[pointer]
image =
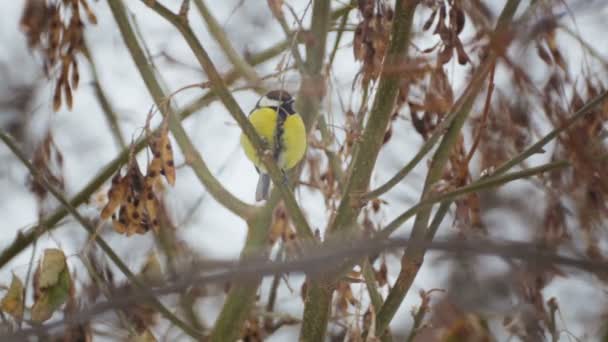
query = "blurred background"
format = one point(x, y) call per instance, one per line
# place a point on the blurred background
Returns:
point(85, 138)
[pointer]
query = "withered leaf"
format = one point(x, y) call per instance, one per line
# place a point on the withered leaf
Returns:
point(52, 284)
point(116, 195)
point(12, 303)
point(152, 271)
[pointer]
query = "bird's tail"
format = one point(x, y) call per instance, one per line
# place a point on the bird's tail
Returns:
point(261, 191)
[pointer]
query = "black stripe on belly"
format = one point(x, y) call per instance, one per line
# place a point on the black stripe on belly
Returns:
point(278, 133)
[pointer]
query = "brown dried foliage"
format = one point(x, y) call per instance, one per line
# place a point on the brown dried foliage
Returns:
point(449, 26)
point(372, 36)
point(137, 196)
point(55, 29)
point(574, 198)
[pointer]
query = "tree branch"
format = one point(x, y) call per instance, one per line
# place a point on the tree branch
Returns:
point(92, 231)
point(192, 156)
point(219, 87)
point(25, 239)
point(220, 36)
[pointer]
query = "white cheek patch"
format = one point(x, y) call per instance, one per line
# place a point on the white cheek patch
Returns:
point(268, 102)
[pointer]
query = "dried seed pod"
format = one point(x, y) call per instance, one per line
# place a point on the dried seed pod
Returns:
point(161, 148)
point(90, 15)
point(463, 58)
point(429, 22)
point(120, 224)
point(136, 178)
point(116, 196)
point(57, 96)
point(151, 207)
point(75, 74)
point(68, 95)
point(153, 174)
point(55, 29)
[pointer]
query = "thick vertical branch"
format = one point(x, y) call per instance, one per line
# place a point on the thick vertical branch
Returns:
point(414, 254)
point(368, 147)
point(241, 296)
point(319, 297)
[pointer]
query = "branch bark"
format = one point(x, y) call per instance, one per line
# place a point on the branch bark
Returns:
point(414, 255)
point(86, 224)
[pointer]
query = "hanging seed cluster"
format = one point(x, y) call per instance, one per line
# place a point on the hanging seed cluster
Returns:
point(449, 26)
point(372, 36)
point(281, 228)
point(55, 29)
point(134, 195)
point(48, 160)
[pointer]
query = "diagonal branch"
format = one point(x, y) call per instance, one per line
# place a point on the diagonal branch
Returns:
point(26, 238)
point(104, 246)
point(414, 254)
point(192, 156)
point(319, 296)
point(219, 87)
point(480, 185)
point(104, 102)
point(368, 147)
point(218, 33)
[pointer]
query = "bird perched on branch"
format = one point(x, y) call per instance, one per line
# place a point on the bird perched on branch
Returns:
point(278, 124)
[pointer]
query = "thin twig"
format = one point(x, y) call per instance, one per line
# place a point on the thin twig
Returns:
point(193, 157)
point(319, 259)
point(219, 87)
point(413, 256)
point(100, 241)
point(25, 238)
point(104, 102)
point(484, 116)
point(240, 64)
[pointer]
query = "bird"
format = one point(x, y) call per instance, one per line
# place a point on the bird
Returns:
point(282, 129)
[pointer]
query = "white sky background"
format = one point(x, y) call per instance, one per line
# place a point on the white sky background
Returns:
point(87, 144)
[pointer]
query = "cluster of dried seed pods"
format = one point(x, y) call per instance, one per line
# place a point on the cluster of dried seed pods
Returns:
point(135, 194)
point(56, 30)
point(372, 36)
point(448, 30)
point(48, 160)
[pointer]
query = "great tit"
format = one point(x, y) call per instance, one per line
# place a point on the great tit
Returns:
point(278, 124)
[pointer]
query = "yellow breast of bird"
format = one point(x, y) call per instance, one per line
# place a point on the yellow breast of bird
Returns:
point(293, 142)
